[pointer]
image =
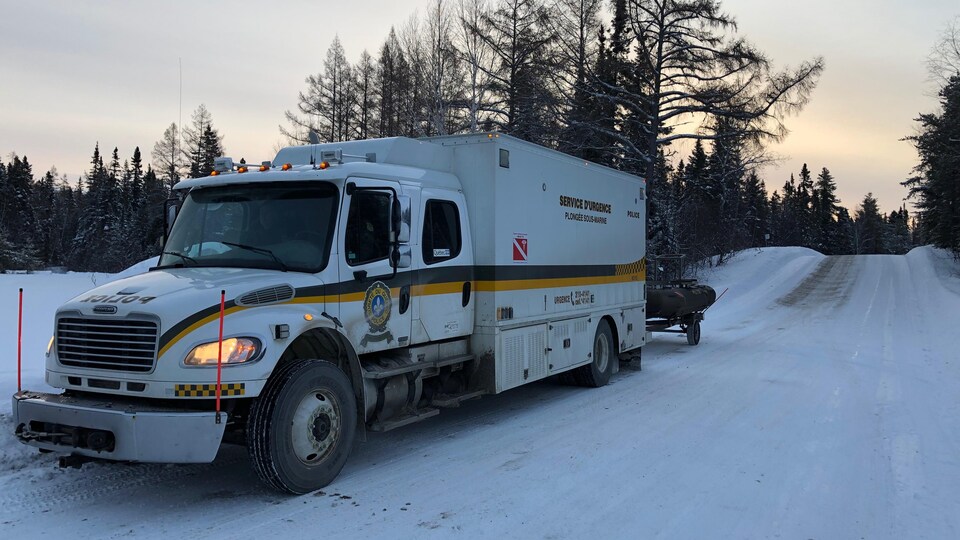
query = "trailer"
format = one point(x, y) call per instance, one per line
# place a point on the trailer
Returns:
point(674, 304)
point(345, 288)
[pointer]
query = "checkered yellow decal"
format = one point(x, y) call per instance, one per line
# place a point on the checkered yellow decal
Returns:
point(638, 267)
point(208, 390)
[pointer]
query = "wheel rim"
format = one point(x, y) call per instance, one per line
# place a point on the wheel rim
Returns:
point(316, 426)
point(601, 352)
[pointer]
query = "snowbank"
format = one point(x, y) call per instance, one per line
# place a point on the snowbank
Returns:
point(936, 262)
point(757, 276)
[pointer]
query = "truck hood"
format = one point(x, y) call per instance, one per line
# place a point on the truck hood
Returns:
point(176, 293)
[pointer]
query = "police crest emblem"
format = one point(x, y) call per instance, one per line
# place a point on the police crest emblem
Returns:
point(377, 305)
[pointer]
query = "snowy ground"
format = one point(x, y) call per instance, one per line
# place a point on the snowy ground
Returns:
point(823, 402)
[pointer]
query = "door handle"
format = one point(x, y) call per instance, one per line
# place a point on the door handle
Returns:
point(466, 294)
point(404, 298)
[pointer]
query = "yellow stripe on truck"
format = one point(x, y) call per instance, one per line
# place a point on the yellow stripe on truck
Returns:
point(625, 273)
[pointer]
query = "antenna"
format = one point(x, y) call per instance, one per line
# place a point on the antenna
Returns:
point(180, 114)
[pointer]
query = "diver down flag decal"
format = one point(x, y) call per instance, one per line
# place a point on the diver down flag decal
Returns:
point(519, 248)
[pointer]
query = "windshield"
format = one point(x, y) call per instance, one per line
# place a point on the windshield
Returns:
point(276, 226)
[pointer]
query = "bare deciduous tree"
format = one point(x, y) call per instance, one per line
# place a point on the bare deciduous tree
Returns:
point(944, 60)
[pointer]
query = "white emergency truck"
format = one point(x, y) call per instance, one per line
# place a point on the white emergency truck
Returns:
point(366, 285)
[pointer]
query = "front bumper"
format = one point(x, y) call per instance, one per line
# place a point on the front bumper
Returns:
point(116, 430)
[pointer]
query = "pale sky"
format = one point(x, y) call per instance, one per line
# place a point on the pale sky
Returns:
point(76, 72)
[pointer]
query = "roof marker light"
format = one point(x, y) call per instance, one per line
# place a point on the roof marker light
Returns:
point(242, 170)
point(264, 168)
point(286, 166)
point(215, 173)
point(324, 165)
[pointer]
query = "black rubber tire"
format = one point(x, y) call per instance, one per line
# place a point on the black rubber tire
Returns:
point(598, 372)
point(693, 333)
point(271, 423)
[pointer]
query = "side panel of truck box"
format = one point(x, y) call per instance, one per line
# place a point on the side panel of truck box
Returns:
point(559, 243)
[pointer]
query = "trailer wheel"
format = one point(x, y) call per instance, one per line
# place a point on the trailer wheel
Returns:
point(301, 428)
point(597, 373)
point(693, 333)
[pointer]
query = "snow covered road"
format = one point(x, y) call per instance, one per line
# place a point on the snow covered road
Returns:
point(822, 402)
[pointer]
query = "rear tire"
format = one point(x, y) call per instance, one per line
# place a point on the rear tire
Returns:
point(302, 427)
point(598, 372)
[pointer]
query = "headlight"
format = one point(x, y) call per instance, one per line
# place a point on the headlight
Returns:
point(235, 351)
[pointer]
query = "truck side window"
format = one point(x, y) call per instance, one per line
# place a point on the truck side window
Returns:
point(368, 227)
point(441, 231)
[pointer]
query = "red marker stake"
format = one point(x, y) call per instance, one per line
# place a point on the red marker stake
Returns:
point(19, 340)
point(223, 296)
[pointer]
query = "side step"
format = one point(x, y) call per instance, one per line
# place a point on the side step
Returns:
point(449, 401)
point(406, 419)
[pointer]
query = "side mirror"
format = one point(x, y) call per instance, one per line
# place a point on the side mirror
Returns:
point(170, 209)
point(400, 215)
point(401, 257)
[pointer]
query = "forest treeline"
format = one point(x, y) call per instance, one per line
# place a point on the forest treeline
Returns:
point(622, 83)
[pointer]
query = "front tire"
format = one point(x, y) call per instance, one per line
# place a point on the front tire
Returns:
point(302, 427)
point(598, 372)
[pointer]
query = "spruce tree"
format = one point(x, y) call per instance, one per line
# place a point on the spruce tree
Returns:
point(756, 211)
point(804, 209)
point(870, 227)
point(935, 186)
point(202, 142)
point(824, 213)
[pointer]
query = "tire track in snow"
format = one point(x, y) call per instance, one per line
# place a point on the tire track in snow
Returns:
point(57, 490)
point(829, 283)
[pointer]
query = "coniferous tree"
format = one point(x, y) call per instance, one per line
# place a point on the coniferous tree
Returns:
point(203, 143)
point(935, 186)
point(804, 208)
point(869, 227)
point(393, 83)
point(44, 202)
point(756, 211)
point(576, 23)
point(521, 40)
point(727, 172)
point(17, 218)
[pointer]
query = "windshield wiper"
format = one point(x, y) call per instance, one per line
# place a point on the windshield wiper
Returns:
point(262, 251)
point(185, 258)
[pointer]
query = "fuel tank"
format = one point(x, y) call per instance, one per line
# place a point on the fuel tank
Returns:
point(671, 302)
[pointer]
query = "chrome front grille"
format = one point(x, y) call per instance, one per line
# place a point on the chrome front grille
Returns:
point(115, 344)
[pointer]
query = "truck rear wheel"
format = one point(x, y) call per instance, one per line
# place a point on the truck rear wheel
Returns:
point(301, 428)
point(598, 372)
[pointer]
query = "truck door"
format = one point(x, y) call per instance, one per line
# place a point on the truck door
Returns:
point(445, 276)
point(374, 297)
